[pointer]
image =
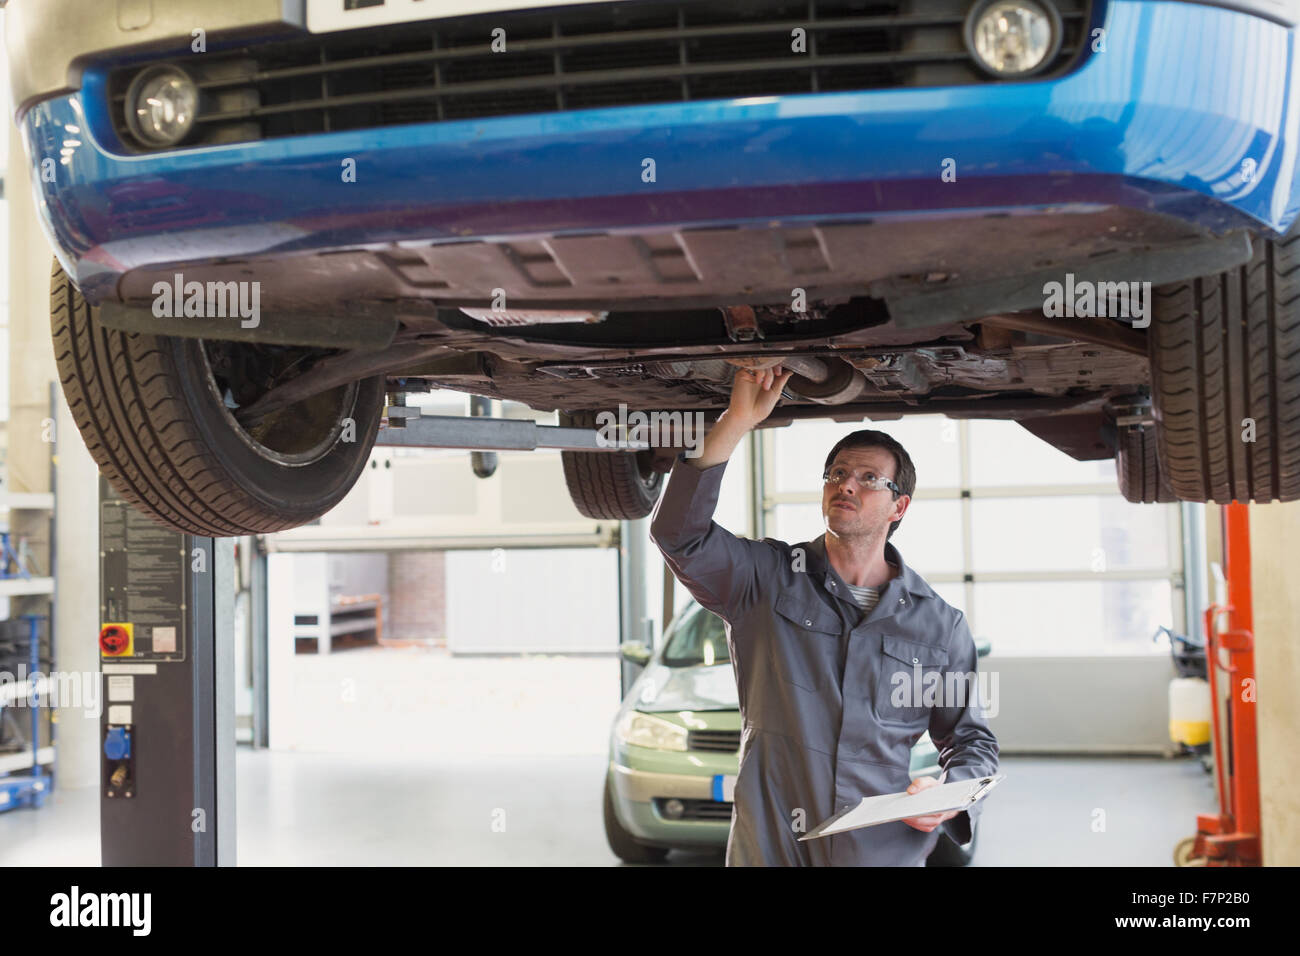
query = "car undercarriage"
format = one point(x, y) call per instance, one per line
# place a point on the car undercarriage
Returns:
point(661, 321)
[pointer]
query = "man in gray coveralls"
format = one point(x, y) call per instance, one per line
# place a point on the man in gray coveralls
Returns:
point(830, 640)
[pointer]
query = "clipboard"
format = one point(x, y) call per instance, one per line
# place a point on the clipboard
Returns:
point(888, 807)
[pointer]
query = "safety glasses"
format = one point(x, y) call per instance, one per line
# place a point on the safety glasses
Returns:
point(865, 479)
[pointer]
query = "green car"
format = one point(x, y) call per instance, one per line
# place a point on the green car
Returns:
point(674, 749)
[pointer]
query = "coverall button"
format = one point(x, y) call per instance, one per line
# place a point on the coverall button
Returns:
point(916, 660)
point(807, 623)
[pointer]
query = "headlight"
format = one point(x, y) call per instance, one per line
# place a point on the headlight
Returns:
point(1013, 38)
point(646, 730)
point(160, 106)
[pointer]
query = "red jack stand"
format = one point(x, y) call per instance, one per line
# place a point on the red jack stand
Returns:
point(1231, 837)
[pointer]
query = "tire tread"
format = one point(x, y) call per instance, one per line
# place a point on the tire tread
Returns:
point(141, 433)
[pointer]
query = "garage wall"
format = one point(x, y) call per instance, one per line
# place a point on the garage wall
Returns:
point(520, 601)
point(351, 575)
point(1081, 704)
point(417, 608)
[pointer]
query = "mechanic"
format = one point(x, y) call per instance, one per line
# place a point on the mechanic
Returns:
point(823, 636)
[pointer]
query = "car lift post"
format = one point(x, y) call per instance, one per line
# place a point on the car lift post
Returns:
point(1232, 836)
point(167, 731)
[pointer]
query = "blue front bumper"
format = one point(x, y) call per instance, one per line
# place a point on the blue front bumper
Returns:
point(1189, 111)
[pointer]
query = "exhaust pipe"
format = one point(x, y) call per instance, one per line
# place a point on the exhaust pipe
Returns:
point(835, 382)
point(824, 381)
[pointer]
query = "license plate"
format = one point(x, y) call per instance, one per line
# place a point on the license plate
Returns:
point(724, 787)
point(325, 16)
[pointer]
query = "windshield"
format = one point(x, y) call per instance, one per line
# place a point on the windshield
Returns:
point(698, 637)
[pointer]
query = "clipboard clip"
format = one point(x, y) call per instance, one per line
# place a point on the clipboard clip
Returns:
point(985, 786)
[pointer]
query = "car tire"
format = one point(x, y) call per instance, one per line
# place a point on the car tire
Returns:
point(948, 853)
point(625, 846)
point(1225, 353)
point(605, 485)
point(1137, 464)
point(154, 420)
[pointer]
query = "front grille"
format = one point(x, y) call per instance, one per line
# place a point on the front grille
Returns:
point(717, 741)
point(599, 55)
point(697, 810)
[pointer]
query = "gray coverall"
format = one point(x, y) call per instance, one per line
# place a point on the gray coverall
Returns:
point(815, 680)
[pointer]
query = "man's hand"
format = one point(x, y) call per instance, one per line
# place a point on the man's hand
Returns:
point(755, 392)
point(928, 822)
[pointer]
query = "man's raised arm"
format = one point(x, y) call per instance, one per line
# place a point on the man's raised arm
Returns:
point(718, 568)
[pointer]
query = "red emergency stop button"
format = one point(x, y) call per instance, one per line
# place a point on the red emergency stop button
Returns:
point(114, 640)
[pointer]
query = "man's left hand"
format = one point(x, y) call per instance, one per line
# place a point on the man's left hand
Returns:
point(927, 823)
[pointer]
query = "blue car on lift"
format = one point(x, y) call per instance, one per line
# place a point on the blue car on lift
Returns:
point(273, 218)
point(674, 749)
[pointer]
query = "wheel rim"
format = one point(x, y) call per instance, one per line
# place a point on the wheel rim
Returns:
point(294, 437)
point(645, 472)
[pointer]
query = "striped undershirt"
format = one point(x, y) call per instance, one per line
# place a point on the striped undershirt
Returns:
point(867, 597)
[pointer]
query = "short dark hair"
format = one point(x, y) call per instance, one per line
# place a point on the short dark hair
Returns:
point(904, 470)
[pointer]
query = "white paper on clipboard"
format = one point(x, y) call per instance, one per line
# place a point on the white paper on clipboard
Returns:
point(888, 807)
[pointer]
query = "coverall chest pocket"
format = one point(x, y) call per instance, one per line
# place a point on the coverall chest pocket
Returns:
point(910, 680)
point(805, 647)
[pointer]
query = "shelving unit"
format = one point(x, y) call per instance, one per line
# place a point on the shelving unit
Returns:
point(26, 501)
point(29, 789)
point(27, 774)
point(10, 763)
point(18, 587)
point(345, 622)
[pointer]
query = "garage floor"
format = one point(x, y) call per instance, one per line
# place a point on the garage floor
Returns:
point(329, 810)
point(407, 757)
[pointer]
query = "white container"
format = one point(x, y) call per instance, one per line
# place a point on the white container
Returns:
point(1189, 710)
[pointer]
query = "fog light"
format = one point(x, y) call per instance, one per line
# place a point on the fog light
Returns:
point(1013, 38)
point(160, 106)
point(674, 809)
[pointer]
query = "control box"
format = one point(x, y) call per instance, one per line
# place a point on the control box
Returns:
point(167, 669)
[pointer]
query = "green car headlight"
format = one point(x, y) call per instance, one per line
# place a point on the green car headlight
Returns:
point(647, 730)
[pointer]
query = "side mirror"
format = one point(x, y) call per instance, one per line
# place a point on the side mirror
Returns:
point(983, 647)
point(635, 652)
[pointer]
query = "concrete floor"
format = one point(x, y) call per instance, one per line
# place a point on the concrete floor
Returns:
point(308, 809)
point(404, 756)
